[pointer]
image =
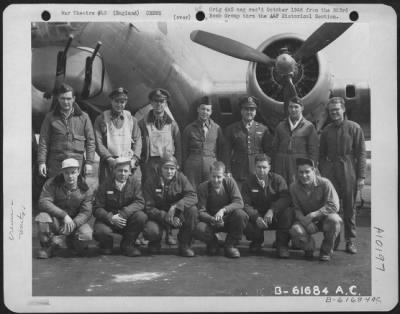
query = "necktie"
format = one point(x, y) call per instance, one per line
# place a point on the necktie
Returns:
point(205, 129)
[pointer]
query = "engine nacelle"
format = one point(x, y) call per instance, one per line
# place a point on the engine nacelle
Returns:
point(312, 79)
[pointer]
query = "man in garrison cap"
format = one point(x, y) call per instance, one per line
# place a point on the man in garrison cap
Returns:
point(170, 204)
point(160, 133)
point(117, 135)
point(65, 206)
point(66, 132)
point(316, 206)
point(295, 137)
point(245, 139)
point(344, 163)
point(119, 210)
point(203, 144)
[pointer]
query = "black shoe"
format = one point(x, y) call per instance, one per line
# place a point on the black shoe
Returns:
point(105, 251)
point(131, 251)
point(169, 238)
point(154, 248)
point(231, 252)
point(45, 253)
point(324, 257)
point(351, 248)
point(76, 246)
point(283, 252)
point(213, 247)
point(255, 247)
point(186, 251)
point(309, 254)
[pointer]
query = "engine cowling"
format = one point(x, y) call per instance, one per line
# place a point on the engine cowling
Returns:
point(312, 79)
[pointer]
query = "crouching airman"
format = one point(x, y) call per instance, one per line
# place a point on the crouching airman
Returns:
point(65, 207)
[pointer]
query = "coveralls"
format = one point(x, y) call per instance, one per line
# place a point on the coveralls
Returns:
point(343, 161)
point(289, 145)
point(201, 149)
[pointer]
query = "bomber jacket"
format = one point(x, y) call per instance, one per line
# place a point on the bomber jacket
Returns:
point(159, 196)
point(57, 201)
point(257, 200)
point(111, 201)
point(65, 139)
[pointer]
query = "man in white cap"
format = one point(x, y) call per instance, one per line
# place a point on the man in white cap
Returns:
point(65, 207)
point(170, 203)
point(117, 135)
point(119, 210)
point(66, 132)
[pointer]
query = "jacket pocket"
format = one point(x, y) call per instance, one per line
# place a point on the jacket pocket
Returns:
point(79, 143)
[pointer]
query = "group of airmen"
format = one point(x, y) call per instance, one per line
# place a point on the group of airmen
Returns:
point(243, 181)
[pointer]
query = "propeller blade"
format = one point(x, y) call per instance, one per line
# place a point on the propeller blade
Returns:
point(322, 37)
point(289, 90)
point(229, 47)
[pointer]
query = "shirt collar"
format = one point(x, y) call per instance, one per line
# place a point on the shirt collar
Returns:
point(119, 185)
point(207, 123)
point(245, 124)
point(296, 124)
point(115, 115)
point(66, 116)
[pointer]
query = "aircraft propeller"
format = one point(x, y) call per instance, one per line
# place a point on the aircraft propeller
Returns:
point(286, 65)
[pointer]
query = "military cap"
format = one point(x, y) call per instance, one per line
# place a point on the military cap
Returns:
point(168, 159)
point(69, 163)
point(336, 100)
point(304, 161)
point(119, 92)
point(296, 100)
point(249, 102)
point(159, 94)
point(122, 161)
point(64, 88)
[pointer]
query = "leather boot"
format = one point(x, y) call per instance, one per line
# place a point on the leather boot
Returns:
point(46, 250)
point(185, 250)
point(169, 238)
point(230, 250)
point(213, 246)
point(154, 248)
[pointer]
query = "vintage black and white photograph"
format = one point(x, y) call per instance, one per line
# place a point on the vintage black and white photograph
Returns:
point(204, 151)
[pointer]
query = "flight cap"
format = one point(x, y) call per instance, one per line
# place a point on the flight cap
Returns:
point(69, 163)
